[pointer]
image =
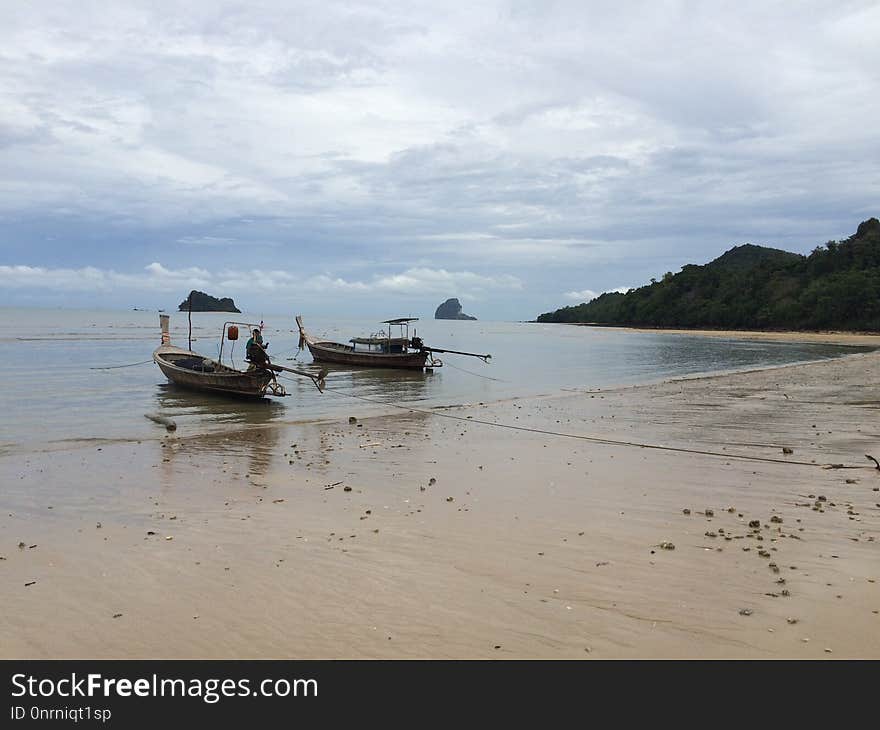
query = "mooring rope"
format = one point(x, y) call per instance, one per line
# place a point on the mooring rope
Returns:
point(469, 372)
point(130, 365)
point(594, 439)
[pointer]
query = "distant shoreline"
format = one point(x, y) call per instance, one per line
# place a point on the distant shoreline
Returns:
point(833, 337)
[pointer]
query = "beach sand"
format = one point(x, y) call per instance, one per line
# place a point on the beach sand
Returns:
point(830, 337)
point(459, 539)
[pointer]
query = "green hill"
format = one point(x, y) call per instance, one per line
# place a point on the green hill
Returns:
point(753, 287)
point(749, 255)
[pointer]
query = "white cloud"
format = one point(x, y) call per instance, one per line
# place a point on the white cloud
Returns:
point(550, 138)
point(420, 281)
point(587, 295)
point(160, 272)
point(581, 296)
point(156, 277)
point(207, 241)
point(438, 281)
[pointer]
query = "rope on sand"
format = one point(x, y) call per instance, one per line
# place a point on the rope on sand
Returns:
point(597, 439)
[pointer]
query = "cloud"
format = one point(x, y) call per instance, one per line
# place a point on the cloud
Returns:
point(159, 272)
point(587, 295)
point(422, 282)
point(438, 281)
point(155, 277)
point(215, 241)
point(158, 278)
point(511, 138)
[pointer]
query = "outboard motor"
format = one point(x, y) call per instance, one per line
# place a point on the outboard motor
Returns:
point(416, 343)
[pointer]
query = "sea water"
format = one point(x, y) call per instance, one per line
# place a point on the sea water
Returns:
point(70, 377)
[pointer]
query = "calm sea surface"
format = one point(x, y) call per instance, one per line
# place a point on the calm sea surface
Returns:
point(52, 396)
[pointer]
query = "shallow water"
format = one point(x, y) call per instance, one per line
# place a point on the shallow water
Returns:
point(54, 398)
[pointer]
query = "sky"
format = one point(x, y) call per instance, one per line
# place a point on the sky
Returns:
point(373, 159)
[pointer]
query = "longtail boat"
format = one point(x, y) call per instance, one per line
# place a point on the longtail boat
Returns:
point(380, 350)
point(189, 369)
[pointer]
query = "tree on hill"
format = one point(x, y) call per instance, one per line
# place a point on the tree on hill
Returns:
point(754, 287)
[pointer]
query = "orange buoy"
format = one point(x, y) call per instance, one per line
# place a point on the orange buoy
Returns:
point(232, 333)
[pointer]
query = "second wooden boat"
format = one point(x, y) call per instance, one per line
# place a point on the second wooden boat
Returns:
point(384, 349)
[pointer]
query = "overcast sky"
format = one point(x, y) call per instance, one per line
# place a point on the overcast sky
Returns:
point(376, 158)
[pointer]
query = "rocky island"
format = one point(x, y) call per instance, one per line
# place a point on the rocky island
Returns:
point(202, 302)
point(451, 309)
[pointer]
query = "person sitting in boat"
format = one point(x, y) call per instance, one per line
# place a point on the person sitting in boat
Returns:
point(256, 350)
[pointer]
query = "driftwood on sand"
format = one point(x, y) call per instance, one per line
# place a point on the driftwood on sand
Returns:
point(169, 424)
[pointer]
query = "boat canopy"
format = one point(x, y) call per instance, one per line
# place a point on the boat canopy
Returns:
point(400, 320)
point(378, 340)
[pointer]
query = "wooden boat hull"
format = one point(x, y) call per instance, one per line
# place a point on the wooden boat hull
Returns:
point(223, 380)
point(335, 352)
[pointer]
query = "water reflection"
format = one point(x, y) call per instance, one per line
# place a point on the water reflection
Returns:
point(246, 451)
point(176, 402)
point(386, 384)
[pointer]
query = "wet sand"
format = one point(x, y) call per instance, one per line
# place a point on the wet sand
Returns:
point(459, 539)
point(829, 337)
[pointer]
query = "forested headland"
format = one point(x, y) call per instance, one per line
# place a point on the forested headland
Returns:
point(837, 286)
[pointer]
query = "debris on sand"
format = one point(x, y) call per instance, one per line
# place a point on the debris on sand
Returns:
point(432, 481)
point(666, 545)
point(169, 424)
point(352, 419)
point(787, 450)
point(686, 511)
point(745, 612)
